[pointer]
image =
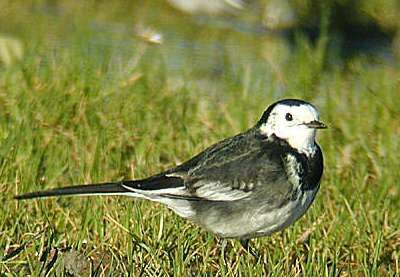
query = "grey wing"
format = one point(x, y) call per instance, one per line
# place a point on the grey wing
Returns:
point(254, 175)
point(242, 168)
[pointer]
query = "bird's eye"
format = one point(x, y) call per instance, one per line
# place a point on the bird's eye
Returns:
point(288, 117)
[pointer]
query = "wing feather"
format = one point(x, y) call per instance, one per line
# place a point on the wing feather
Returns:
point(231, 170)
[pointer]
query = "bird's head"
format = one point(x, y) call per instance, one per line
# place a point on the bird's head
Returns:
point(294, 121)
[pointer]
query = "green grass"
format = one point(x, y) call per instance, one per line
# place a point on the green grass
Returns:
point(86, 106)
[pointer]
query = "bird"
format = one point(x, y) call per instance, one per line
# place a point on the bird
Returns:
point(246, 186)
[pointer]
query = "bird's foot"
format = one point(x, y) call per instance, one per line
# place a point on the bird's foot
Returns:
point(246, 246)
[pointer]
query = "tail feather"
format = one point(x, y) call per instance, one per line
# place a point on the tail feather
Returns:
point(166, 190)
point(146, 186)
point(105, 188)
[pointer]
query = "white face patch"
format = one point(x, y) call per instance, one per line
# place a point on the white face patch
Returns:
point(287, 122)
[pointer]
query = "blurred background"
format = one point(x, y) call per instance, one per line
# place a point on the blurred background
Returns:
point(201, 41)
point(94, 91)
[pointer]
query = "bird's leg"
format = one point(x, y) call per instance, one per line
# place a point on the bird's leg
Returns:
point(223, 247)
point(246, 246)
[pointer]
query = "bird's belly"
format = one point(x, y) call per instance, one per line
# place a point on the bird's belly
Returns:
point(249, 221)
point(286, 215)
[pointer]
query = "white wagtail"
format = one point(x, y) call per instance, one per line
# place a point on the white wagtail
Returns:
point(250, 185)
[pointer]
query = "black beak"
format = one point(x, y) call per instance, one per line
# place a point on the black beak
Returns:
point(316, 125)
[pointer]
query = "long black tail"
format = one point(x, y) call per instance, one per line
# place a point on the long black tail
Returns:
point(157, 182)
point(105, 188)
